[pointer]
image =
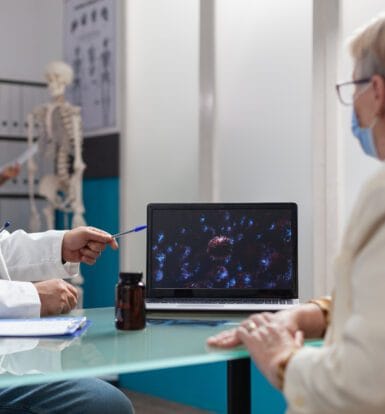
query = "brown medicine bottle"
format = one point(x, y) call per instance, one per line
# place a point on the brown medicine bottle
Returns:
point(129, 302)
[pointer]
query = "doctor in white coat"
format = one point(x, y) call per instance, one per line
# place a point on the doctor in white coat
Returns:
point(32, 269)
point(46, 258)
point(347, 374)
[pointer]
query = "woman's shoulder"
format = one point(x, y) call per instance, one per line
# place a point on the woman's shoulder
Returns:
point(369, 211)
point(377, 180)
point(373, 191)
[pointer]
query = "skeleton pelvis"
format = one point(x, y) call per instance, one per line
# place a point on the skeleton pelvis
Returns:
point(50, 187)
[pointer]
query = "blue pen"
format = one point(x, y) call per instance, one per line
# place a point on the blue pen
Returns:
point(135, 229)
point(5, 225)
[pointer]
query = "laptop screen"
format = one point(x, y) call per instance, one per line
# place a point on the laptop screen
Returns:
point(224, 250)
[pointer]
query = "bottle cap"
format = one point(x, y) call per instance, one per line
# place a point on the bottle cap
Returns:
point(130, 277)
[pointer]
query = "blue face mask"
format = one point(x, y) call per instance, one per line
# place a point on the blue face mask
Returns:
point(364, 135)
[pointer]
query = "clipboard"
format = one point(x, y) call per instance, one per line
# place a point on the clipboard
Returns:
point(44, 327)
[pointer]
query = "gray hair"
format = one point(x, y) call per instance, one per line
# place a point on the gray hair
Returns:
point(367, 47)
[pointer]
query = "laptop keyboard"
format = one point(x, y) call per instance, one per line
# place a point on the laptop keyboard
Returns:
point(224, 301)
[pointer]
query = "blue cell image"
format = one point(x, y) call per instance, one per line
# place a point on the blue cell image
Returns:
point(186, 275)
point(257, 250)
point(287, 276)
point(247, 279)
point(160, 257)
point(187, 252)
point(232, 282)
point(287, 235)
point(159, 276)
point(222, 274)
point(265, 263)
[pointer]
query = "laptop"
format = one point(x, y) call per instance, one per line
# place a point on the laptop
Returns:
point(221, 256)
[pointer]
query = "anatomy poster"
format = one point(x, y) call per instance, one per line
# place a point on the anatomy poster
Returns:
point(90, 48)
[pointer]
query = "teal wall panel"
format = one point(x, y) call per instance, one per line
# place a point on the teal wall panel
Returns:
point(101, 199)
point(201, 386)
point(204, 387)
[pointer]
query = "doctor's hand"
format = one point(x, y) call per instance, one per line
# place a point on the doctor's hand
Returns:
point(10, 172)
point(85, 244)
point(56, 297)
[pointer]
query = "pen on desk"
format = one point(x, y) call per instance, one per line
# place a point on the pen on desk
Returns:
point(135, 229)
point(5, 225)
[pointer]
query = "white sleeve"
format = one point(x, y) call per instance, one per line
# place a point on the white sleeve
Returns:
point(347, 377)
point(36, 256)
point(18, 300)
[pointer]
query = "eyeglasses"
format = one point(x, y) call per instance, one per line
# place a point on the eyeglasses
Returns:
point(346, 90)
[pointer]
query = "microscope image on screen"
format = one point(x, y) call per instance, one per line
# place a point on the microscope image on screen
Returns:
point(223, 249)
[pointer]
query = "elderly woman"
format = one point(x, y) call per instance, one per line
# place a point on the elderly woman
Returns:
point(347, 374)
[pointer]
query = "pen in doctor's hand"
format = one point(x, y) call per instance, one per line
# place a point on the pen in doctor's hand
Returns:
point(135, 229)
point(5, 225)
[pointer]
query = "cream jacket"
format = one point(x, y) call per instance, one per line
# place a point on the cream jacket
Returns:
point(347, 375)
point(25, 258)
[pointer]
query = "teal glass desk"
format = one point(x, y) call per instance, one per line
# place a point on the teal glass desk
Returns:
point(102, 350)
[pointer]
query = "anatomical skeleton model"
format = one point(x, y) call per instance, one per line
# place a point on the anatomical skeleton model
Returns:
point(60, 140)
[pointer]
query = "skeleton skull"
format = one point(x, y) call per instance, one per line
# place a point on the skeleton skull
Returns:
point(58, 75)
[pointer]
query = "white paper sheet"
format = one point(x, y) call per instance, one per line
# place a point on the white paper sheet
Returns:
point(22, 158)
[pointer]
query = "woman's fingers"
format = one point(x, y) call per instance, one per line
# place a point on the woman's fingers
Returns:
point(225, 339)
point(299, 338)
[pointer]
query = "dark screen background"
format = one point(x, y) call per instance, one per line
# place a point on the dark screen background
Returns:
point(222, 249)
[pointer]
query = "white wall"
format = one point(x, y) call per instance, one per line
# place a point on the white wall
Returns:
point(263, 111)
point(30, 37)
point(263, 121)
point(160, 132)
point(357, 166)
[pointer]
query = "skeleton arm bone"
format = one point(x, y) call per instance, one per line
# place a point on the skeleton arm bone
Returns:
point(35, 222)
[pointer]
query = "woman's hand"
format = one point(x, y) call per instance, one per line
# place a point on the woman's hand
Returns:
point(287, 319)
point(85, 244)
point(269, 345)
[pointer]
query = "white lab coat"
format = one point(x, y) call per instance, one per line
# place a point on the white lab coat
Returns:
point(347, 375)
point(25, 258)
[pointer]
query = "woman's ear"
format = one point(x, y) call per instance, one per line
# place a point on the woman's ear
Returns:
point(378, 83)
